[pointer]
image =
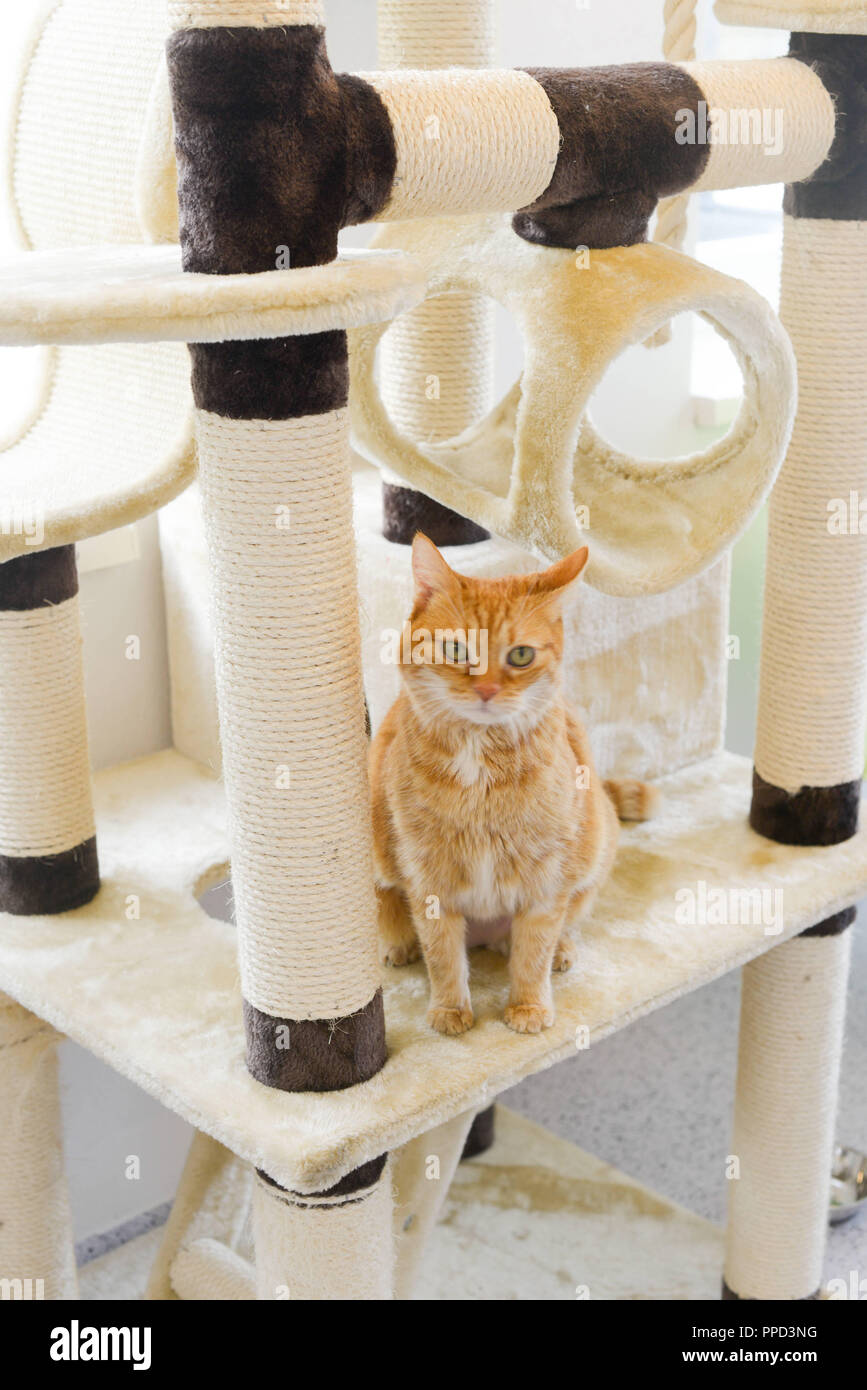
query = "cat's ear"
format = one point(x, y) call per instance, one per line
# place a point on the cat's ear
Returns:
point(431, 573)
point(554, 581)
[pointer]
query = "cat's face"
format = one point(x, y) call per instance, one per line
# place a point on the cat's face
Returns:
point(485, 652)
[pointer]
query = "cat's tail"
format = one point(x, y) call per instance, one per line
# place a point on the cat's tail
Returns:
point(633, 800)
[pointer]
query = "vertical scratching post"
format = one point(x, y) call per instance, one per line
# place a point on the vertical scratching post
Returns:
point(792, 1011)
point(48, 860)
point(812, 708)
point(255, 176)
point(48, 864)
point(37, 1255)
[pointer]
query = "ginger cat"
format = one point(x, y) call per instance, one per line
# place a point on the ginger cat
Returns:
point(488, 816)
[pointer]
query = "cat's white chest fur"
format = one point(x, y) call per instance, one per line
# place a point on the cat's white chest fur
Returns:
point(468, 766)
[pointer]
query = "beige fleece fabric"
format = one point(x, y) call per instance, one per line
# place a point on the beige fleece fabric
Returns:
point(141, 294)
point(813, 17)
point(212, 1202)
point(530, 467)
point(144, 979)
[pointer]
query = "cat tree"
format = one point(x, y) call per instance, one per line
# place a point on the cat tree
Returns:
point(324, 1132)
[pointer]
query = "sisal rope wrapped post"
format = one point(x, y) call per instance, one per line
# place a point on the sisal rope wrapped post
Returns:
point(275, 478)
point(812, 708)
point(334, 1246)
point(791, 1033)
point(48, 860)
point(437, 362)
point(48, 864)
point(678, 46)
point(37, 1255)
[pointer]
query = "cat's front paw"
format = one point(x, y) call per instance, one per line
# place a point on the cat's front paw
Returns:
point(400, 953)
point(450, 1021)
point(528, 1018)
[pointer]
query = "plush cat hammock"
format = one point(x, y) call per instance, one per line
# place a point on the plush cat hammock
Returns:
point(524, 469)
point(338, 1122)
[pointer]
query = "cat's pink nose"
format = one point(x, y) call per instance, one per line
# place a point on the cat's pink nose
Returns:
point(487, 692)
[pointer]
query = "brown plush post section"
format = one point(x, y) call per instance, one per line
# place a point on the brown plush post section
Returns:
point(618, 153)
point(32, 886)
point(301, 153)
point(39, 580)
point(52, 883)
point(833, 926)
point(326, 1054)
point(810, 816)
point(356, 1181)
point(274, 151)
point(838, 189)
point(481, 1135)
point(405, 512)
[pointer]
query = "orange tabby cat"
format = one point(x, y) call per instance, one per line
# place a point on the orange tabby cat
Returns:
point(487, 812)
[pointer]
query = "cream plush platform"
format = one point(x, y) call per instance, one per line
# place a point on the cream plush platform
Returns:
point(157, 996)
point(106, 294)
point(83, 468)
point(812, 16)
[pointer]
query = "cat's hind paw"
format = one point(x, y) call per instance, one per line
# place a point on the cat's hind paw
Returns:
point(451, 1021)
point(564, 954)
point(399, 952)
point(528, 1018)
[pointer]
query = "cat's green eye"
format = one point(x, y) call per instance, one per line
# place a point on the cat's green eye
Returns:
point(521, 657)
point(456, 653)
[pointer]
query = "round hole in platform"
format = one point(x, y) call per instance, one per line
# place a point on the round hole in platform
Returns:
point(215, 896)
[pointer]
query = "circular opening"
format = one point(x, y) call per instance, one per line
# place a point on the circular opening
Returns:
point(659, 403)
